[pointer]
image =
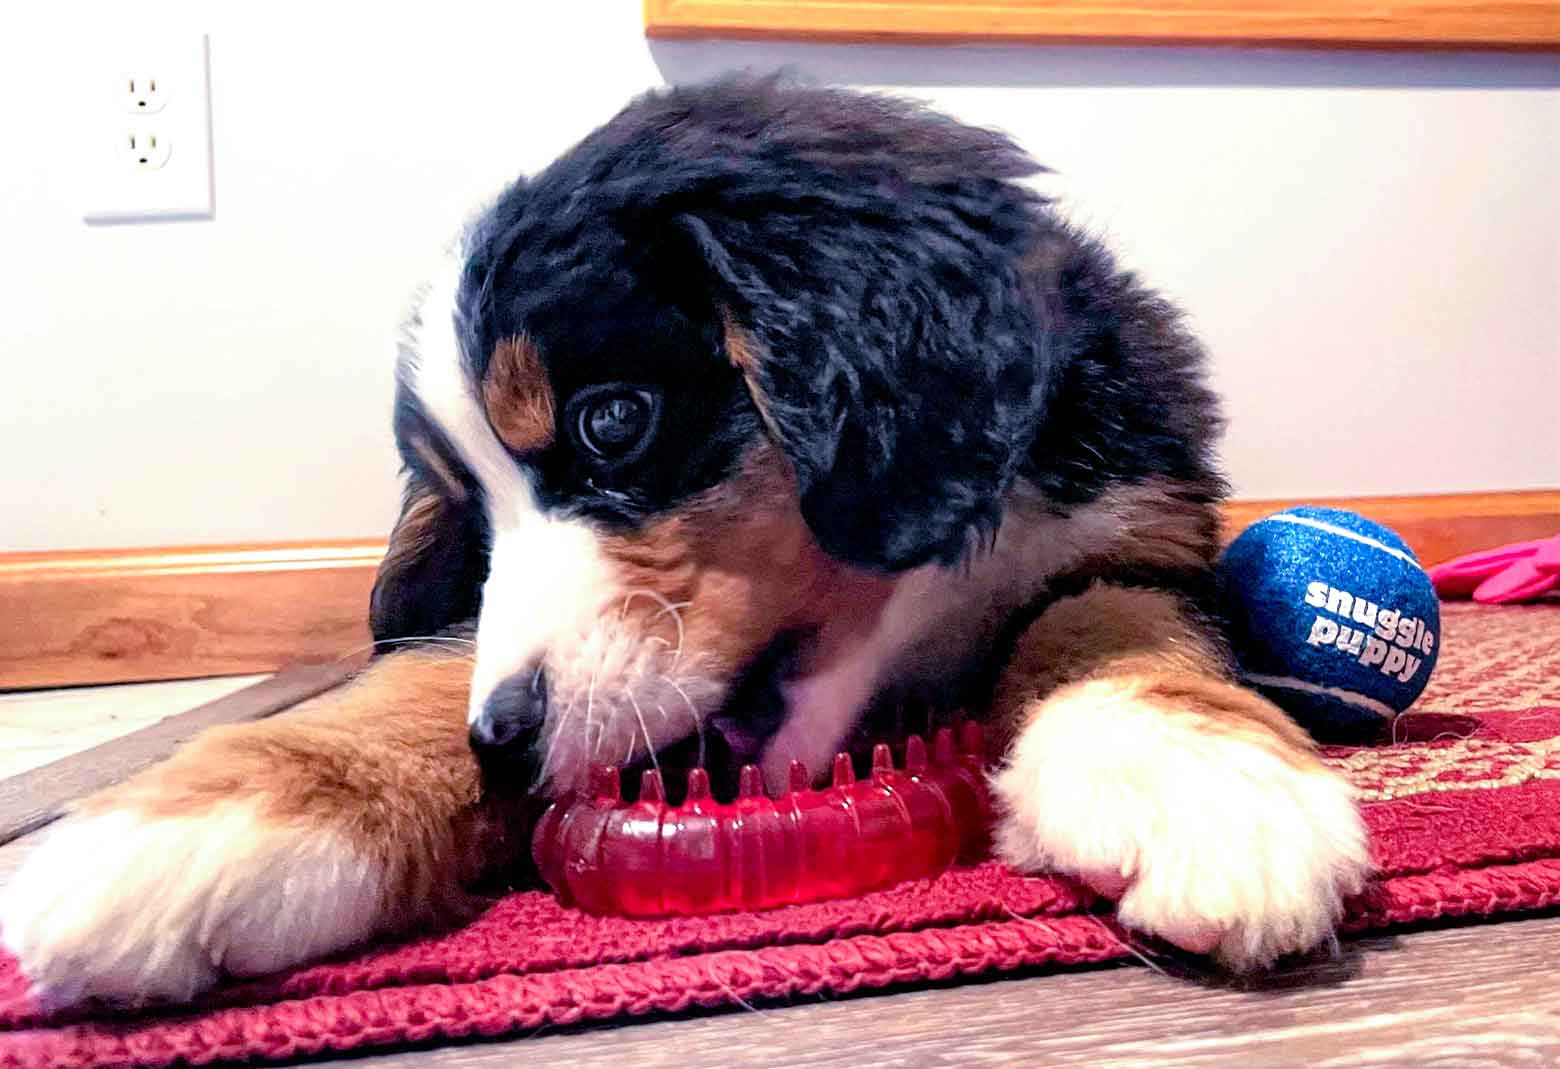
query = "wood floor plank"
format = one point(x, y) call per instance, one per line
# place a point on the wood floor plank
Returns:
point(40, 726)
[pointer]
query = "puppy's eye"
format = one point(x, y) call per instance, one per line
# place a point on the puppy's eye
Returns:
point(616, 421)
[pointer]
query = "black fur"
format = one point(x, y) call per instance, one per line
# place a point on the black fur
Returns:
point(435, 581)
point(1128, 400)
point(931, 330)
point(436, 587)
point(870, 247)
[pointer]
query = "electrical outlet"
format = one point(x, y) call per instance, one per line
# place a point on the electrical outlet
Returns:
point(144, 150)
point(146, 129)
point(143, 95)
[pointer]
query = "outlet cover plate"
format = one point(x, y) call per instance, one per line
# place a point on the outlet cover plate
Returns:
point(116, 189)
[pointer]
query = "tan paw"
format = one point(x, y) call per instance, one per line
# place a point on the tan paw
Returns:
point(1220, 841)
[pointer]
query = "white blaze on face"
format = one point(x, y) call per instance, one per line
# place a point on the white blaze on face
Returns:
point(543, 572)
point(546, 579)
point(618, 681)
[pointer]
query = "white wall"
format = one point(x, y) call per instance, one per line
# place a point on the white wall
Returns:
point(1370, 245)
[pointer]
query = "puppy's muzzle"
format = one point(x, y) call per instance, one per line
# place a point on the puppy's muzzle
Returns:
point(512, 717)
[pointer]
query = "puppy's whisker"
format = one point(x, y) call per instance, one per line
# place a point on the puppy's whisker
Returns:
point(668, 608)
point(674, 653)
point(698, 721)
point(655, 596)
point(422, 638)
point(590, 711)
point(557, 733)
point(649, 744)
point(450, 640)
point(682, 631)
point(660, 599)
point(628, 600)
point(1109, 932)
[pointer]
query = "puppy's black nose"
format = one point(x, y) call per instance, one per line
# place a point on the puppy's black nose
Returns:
point(513, 714)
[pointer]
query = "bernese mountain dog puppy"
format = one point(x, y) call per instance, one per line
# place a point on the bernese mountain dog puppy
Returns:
point(764, 414)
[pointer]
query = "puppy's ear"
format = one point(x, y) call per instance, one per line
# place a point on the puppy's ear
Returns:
point(883, 327)
point(432, 575)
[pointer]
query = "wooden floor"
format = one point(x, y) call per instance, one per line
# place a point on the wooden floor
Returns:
point(39, 726)
point(1474, 995)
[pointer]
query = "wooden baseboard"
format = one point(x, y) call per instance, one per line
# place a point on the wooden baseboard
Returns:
point(122, 615)
point(115, 616)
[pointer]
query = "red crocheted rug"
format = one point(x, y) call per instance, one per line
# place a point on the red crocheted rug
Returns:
point(1464, 811)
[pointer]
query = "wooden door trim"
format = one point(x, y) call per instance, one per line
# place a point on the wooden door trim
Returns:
point(1423, 24)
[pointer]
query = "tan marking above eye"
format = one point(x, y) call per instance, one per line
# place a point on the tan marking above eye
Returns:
point(518, 397)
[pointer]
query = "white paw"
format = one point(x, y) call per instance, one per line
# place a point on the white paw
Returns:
point(1212, 837)
point(133, 909)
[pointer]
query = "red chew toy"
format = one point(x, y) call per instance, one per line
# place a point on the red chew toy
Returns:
point(649, 858)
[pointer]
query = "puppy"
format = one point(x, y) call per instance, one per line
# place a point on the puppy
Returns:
point(763, 411)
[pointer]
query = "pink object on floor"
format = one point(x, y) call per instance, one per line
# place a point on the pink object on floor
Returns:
point(649, 858)
point(1521, 571)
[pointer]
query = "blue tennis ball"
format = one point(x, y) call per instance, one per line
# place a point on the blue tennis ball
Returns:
point(1332, 617)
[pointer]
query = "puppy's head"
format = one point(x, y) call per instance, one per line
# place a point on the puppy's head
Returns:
point(710, 379)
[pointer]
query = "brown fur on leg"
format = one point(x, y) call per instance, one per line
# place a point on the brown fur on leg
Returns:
point(1147, 636)
point(384, 761)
